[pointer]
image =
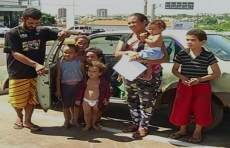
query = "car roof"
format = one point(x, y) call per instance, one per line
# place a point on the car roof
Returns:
point(176, 34)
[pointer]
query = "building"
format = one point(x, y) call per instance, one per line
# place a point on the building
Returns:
point(102, 13)
point(11, 10)
point(61, 12)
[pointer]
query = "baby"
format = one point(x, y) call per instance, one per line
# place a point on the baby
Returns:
point(153, 42)
point(93, 93)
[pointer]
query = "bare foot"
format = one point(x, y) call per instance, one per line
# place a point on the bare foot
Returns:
point(19, 121)
point(196, 137)
point(66, 125)
point(96, 127)
point(178, 134)
point(28, 124)
point(78, 125)
point(72, 121)
point(86, 128)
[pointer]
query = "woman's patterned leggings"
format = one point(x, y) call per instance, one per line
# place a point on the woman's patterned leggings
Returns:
point(141, 98)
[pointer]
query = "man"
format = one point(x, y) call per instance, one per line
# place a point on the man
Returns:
point(25, 47)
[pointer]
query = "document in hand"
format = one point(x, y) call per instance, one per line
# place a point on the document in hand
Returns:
point(129, 69)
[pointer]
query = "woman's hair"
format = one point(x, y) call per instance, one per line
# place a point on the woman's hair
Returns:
point(141, 17)
point(99, 65)
point(159, 23)
point(82, 37)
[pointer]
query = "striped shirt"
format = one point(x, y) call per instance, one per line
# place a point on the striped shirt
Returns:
point(197, 67)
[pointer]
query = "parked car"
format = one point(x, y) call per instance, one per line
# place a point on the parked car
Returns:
point(58, 29)
point(175, 41)
point(81, 30)
point(3, 30)
point(97, 30)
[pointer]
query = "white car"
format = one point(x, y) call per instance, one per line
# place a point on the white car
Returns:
point(3, 30)
point(175, 40)
point(57, 29)
point(81, 30)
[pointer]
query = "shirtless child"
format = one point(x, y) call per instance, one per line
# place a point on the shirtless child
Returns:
point(153, 43)
point(94, 93)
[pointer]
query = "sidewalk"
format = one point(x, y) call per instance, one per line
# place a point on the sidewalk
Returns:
point(54, 136)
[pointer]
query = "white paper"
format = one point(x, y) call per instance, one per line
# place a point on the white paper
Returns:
point(129, 69)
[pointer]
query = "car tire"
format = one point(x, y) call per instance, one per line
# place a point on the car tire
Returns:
point(217, 113)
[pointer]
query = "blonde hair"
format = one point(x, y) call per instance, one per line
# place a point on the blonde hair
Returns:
point(99, 65)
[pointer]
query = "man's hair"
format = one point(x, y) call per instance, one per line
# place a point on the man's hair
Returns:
point(95, 50)
point(159, 23)
point(82, 37)
point(33, 13)
point(200, 34)
point(99, 65)
point(71, 46)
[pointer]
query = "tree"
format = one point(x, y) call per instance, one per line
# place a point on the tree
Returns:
point(47, 19)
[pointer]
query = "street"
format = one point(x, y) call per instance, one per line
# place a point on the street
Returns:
point(116, 117)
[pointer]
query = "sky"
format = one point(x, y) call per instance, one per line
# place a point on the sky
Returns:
point(84, 7)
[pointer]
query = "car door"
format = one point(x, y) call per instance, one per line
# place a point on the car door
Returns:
point(173, 47)
point(45, 84)
point(108, 43)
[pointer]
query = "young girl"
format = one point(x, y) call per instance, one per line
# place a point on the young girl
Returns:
point(94, 93)
point(153, 44)
point(69, 74)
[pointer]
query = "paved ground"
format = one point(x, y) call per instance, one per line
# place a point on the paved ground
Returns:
point(109, 137)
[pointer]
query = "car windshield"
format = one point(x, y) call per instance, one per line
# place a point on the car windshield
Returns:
point(218, 45)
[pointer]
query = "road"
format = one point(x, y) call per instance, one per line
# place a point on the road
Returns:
point(110, 136)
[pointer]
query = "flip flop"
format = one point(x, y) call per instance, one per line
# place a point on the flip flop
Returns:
point(129, 129)
point(34, 128)
point(18, 126)
point(195, 139)
point(139, 134)
point(177, 136)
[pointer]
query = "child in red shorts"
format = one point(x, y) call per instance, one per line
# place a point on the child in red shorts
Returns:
point(194, 92)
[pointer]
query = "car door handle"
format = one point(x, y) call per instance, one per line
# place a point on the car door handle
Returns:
point(47, 82)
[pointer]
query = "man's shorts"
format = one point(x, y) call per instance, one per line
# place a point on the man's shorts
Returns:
point(22, 92)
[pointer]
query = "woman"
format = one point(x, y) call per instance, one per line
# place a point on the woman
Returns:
point(141, 94)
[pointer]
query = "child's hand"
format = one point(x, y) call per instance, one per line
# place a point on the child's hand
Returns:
point(105, 102)
point(78, 102)
point(194, 81)
point(185, 81)
point(58, 94)
point(119, 78)
point(143, 36)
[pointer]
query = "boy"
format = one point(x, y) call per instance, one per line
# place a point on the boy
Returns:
point(94, 93)
point(153, 41)
point(193, 90)
point(82, 43)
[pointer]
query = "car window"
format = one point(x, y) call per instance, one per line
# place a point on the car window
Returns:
point(81, 28)
point(76, 28)
point(71, 28)
point(106, 44)
point(218, 45)
point(172, 47)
